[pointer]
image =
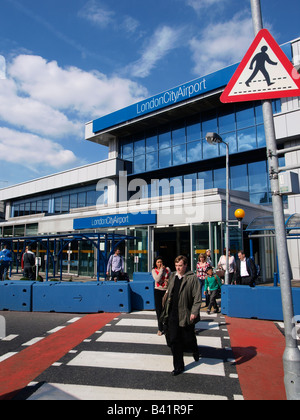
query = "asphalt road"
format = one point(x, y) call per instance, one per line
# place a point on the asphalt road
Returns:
point(123, 360)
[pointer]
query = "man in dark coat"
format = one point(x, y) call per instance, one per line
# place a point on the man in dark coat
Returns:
point(184, 303)
point(29, 263)
point(245, 270)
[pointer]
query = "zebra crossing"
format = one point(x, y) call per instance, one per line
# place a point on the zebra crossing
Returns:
point(127, 360)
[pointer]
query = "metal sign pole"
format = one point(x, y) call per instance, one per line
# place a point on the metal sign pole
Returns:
point(291, 357)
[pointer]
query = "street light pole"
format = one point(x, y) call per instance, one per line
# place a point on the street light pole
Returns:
point(214, 139)
point(227, 243)
point(291, 357)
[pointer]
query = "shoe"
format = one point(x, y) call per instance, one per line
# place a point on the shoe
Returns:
point(177, 372)
point(196, 357)
point(217, 311)
point(208, 312)
point(160, 333)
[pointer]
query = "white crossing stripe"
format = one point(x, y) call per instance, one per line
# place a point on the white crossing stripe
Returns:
point(206, 325)
point(33, 341)
point(153, 339)
point(146, 362)
point(7, 356)
point(55, 330)
point(74, 320)
point(10, 337)
point(61, 392)
point(136, 322)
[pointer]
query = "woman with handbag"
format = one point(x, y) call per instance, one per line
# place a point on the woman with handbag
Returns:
point(222, 266)
point(201, 272)
point(161, 274)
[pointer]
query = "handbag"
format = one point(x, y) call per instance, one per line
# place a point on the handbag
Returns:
point(220, 273)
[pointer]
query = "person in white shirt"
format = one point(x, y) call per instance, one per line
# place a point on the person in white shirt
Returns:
point(232, 265)
point(116, 264)
point(245, 270)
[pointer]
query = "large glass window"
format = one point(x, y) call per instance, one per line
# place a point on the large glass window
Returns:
point(239, 178)
point(194, 151)
point(139, 164)
point(227, 120)
point(240, 125)
point(151, 143)
point(261, 137)
point(247, 139)
point(65, 204)
point(210, 152)
point(231, 139)
point(178, 134)
point(165, 158)
point(190, 182)
point(152, 161)
point(139, 147)
point(127, 150)
point(258, 177)
point(209, 122)
point(220, 178)
point(193, 131)
point(164, 138)
point(245, 117)
point(207, 178)
point(73, 201)
point(179, 155)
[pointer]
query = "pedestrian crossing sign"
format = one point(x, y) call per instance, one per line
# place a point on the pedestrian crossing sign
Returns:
point(264, 73)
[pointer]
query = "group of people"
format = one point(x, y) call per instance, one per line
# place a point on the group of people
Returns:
point(178, 298)
point(5, 261)
point(241, 272)
point(27, 263)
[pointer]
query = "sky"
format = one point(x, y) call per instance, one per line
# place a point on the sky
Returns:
point(64, 63)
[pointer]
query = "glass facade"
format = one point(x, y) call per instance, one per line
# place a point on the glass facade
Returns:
point(249, 177)
point(57, 203)
point(183, 142)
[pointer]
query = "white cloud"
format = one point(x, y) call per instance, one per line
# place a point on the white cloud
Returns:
point(163, 41)
point(85, 95)
point(25, 112)
point(32, 151)
point(222, 44)
point(2, 67)
point(203, 4)
point(97, 13)
point(101, 16)
point(42, 105)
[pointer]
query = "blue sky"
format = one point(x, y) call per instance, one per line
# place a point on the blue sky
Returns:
point(66, 62)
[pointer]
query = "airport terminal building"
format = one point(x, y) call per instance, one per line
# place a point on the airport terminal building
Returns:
point(163, 187)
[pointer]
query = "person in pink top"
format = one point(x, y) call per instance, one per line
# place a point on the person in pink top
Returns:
point(201, 272)
point(161, 275)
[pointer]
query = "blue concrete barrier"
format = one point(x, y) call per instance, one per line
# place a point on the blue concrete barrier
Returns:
point(16, 296)
point(90, 297)
point(260, 302)
point(81, 297)
point(142, 277)
point(142, 295)
point(115, 297)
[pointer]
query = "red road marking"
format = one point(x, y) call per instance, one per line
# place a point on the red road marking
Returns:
point(258, 347)
point(18, 371)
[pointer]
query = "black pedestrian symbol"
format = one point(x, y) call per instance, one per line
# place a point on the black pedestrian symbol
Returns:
point(261, 59)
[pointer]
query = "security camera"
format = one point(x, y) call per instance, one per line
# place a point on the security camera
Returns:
point(213, 138)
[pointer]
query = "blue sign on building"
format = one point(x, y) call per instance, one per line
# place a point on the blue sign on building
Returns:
point(116, 220)
point(197, 87)
point(170, 97)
